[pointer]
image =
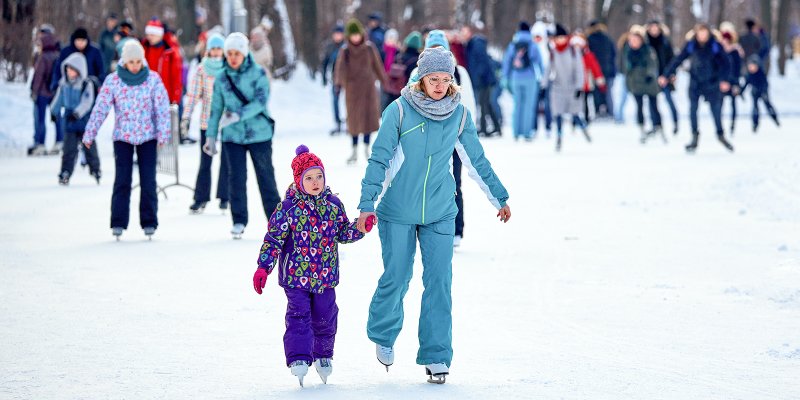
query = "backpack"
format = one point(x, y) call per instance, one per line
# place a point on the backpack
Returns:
point(95, 82)
point(397, 78)
point(400, 122)
point(522, 59)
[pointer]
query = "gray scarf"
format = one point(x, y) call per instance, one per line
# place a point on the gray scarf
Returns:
point(437, 110)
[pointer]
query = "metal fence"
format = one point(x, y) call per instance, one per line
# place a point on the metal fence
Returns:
point(168, 154)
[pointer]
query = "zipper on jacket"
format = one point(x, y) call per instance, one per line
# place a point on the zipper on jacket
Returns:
point(425, 189)
point(285, 263)
point(421, 125)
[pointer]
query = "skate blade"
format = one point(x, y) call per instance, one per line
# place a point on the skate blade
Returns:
point(300, 379)
point(439, 379)
point(237, 237)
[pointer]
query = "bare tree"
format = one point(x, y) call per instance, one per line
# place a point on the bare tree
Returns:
point(784, 10)
point(186, 21)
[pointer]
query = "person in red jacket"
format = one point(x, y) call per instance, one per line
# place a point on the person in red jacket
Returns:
point(593, 74)
point(163, 55)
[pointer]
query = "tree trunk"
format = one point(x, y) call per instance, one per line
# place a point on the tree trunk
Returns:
point(766, 24)
point(598, 10)
point(784, 11)
point(669, 14)
point(309, 32)
point(185, 21)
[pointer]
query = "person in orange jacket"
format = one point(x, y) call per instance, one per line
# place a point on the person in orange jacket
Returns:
point(163, 54)
point(593, 74)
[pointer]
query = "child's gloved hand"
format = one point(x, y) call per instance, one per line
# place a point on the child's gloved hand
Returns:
point(370, 222)
point(260, 279)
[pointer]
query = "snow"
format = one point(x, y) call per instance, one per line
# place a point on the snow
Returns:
point(626, 271)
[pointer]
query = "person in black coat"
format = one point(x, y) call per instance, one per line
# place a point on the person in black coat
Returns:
point(377, 32)
point(759, 89)
point(660, 43)
point(329, 54)
point(79, 41)
point(605, 51)
point(481, 69)
point(734, 52)
point(710, 74)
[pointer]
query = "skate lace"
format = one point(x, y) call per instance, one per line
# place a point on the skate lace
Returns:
point(297, 363)
point(324, 362)
point(386, 351)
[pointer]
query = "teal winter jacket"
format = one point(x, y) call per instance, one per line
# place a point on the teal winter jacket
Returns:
point(410, 170)
point(253, 125)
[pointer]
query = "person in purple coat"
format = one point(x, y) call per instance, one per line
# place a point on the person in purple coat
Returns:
point(302, 241)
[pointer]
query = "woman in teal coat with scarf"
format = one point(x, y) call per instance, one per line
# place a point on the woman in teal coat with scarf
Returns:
point(409, 176)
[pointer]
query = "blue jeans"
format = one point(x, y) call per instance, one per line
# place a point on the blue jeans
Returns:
point(525, 93)
point(146, 154)
point(40, 118)
point(619, 112)
point(398, 245)
point(236, 157)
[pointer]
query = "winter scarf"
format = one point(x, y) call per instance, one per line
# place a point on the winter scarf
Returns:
point(212, 66)
point(131, 79)
point(437, 110)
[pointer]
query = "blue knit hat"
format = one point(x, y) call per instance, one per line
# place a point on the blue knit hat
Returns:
point(436, 59)
point(437, 37)
point(215, 41)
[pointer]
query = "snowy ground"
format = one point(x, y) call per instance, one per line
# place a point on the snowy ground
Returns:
point(627, 271)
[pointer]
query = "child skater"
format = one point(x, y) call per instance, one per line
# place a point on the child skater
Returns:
point(71, 106)
point(757, 79)
point(304, 232)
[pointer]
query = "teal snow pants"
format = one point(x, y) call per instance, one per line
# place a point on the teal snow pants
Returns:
point(399, 243)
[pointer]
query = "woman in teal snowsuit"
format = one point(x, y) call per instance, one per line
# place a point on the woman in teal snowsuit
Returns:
point(409, 173)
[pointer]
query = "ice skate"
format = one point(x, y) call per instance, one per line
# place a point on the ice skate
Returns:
point(237, 231)
point(38, 150)
point(366, 152)
point(197, 207)
point(117, 232)
point(558, 143)
point(63, 178)
point(56, 149)
point(437, 373)
point(457, 241)
point(657, 130)
point(354, 157)
point(385, 355)
point(644, 134)
point(725, 143)
point(299, 369)
point(97, 175)
point(149, 231)
point(586, 134)
point(692, 146)
point(324, 367)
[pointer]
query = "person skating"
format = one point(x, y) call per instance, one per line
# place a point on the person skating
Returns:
point(602, 46)
point(565, 80)
point(411, 158)
point(540, 37)
point(302, 242)
point(95, 66)
point(735, 54)
point(658, 39)
point(328, 62)
point(201, 91)
point(709, 72)
point(481, 68)
point(72, 106)
point(759, 90)
point(141, 123)
point(163, 57)
point(358, 67)
point(594, 80)
point(522, 72)
point(239, 112)
point(42, 91)
point(641, 79)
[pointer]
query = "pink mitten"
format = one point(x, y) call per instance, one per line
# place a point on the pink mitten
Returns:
point(259, 279)
point(370, 222)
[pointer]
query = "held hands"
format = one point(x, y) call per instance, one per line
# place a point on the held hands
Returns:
point(724, 87)
point(365, 222)
point(663, 81)
point(259, 279)
point(504, 214)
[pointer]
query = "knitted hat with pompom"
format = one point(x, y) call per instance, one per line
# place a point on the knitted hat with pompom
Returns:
point(302, 163)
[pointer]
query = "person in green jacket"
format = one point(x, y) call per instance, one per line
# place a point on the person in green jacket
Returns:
point(409, 174)
point(239, 114)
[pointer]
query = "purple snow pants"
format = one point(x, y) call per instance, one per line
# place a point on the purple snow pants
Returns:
point(311, 321)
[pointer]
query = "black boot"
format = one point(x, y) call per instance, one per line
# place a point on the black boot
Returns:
point(692, 146)
point(63, 178)
point(197, 207)
point(721, 138)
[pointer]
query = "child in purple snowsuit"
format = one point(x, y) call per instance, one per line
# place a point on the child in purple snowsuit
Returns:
point(304, 232)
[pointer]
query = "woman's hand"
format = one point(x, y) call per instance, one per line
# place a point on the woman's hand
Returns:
point(361, 224)
point(504, 214)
